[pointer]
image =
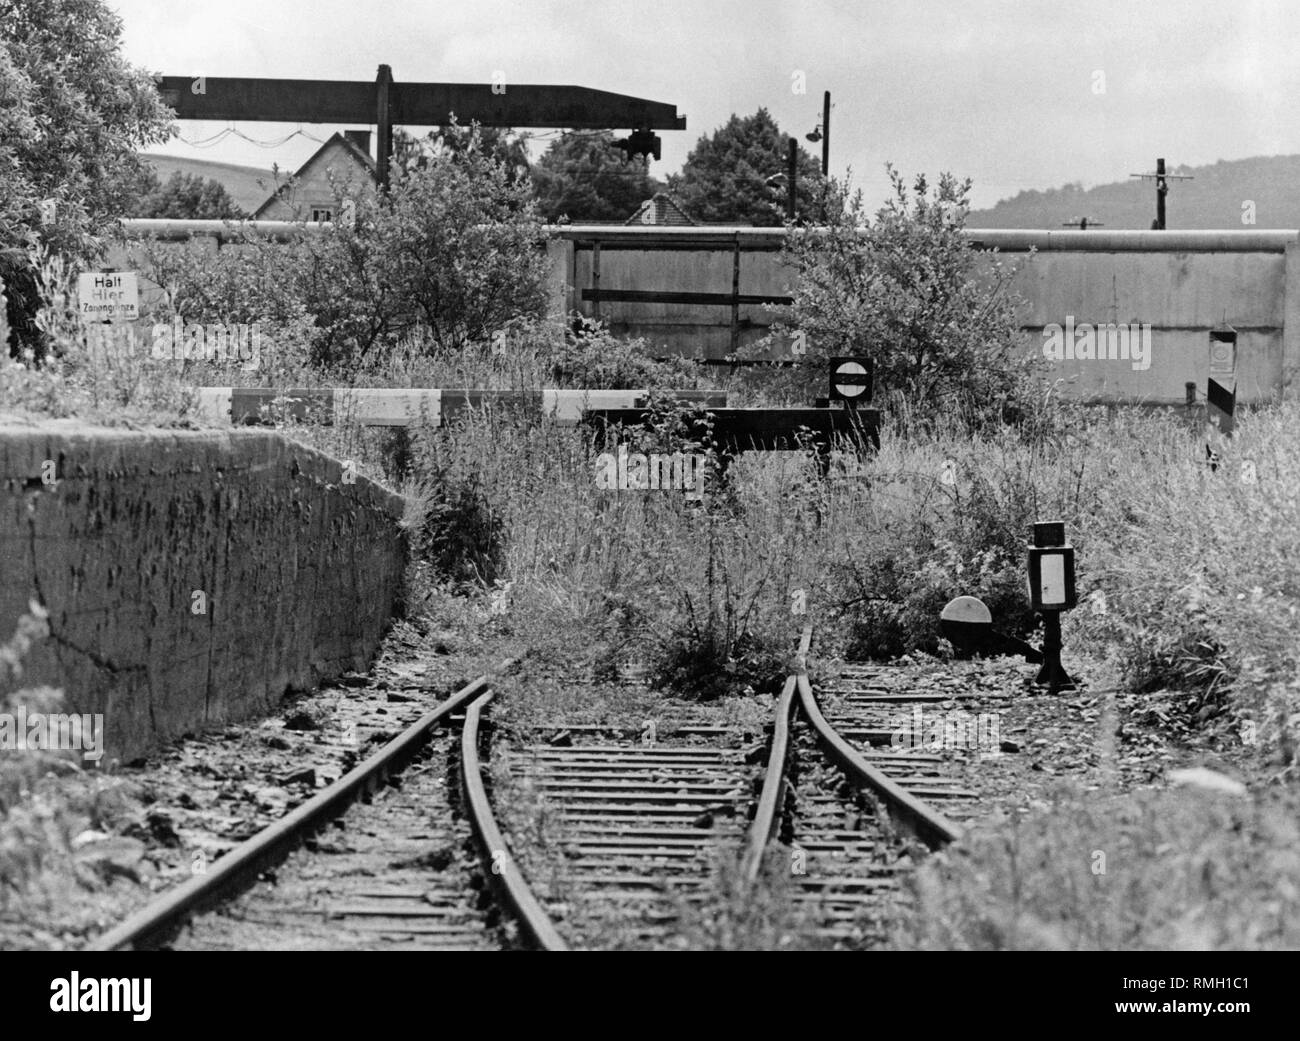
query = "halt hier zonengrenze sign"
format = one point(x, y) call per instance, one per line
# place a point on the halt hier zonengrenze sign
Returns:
point(105, 295)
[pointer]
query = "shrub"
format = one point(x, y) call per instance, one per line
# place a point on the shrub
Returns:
point(78, 376)
point(455, 246)
point(908, 290)
point(725, 645)
point(591, 358)
point(450, 256)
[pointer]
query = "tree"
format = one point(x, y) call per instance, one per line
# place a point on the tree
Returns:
point(583, 177)
point(908, 290)
point(186, 197)
point(72, 116)
point(454, 141)
point(452, 250)
point(724, 179)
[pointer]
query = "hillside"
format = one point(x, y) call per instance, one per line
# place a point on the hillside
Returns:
point(1213, 200)
point(247, 185)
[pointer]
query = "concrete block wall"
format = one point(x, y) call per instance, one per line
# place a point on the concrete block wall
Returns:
point(298, 571)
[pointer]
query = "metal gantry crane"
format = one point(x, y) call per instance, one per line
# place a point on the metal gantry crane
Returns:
point(386, 103)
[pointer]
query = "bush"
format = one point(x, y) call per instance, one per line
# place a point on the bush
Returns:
point(73, 118)
point(908, 290)
point(78, 376)
point(727, 644)
point(942, 517)
point(455, 246)
point(452, 255)
point(593, 359)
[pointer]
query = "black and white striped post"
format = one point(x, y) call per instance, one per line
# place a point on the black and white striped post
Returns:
point(1051, 591)
point(1221, 388)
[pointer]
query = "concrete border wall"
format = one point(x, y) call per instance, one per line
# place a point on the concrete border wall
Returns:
point(1179, 284)
point(298, 571)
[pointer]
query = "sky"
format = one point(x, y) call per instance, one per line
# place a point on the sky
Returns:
point(1014, 95)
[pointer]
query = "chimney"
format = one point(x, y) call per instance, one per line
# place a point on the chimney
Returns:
point(360, 138)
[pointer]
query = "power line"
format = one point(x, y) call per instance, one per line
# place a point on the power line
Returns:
point(215, 139)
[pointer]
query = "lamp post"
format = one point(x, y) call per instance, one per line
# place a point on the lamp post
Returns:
point(1051, 591)
point(792, 179)
point(822, 133)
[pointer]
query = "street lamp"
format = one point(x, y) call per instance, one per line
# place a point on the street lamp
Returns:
point(822, 132)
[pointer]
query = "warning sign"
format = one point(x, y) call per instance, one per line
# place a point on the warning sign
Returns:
point(850, 379)
point(105, 295)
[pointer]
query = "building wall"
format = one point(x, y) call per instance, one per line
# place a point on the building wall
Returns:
point(313, 189)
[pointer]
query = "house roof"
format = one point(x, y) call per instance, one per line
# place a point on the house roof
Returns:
point(661, 209)
point(353, 150)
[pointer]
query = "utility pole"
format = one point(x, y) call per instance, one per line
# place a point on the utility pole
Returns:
point(1162, 189)
point(822, 133)
point(826, 134)
point(383, 124)
point(792, 177)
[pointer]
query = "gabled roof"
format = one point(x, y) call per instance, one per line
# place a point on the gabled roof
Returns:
point(661, 209)
point(354, 152)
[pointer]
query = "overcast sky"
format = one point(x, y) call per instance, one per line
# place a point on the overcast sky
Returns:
point(1014, 95)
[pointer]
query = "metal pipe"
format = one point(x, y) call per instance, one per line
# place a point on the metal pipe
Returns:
point(1005, 239)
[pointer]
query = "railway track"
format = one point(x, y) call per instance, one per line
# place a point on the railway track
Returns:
point(851, 821)
point(635, 825)
point(637, 820)
point(397, 873)
point(641, 821)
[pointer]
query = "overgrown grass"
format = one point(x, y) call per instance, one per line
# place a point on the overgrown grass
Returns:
point(48, 805)
point(1176, 870)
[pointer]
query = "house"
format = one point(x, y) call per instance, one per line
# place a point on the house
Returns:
point(309, 195)
point(661, 209)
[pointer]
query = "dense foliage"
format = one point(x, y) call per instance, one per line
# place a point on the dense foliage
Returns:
point(72, 116)
point(583, 177)
point(184, 197)
point(725, 177)
point(907, 289)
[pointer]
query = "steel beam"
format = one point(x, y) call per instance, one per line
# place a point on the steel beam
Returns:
point(412, 104)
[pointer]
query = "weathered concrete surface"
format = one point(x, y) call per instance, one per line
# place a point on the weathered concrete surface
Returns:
point(299, 571)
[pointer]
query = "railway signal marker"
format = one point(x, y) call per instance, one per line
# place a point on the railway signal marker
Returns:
point(851, 380)
point(1051, 591)
point(1221, 388)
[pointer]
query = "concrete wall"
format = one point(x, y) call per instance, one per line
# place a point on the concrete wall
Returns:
point(1180, 283)
point(687, 329)
point(299, 571)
